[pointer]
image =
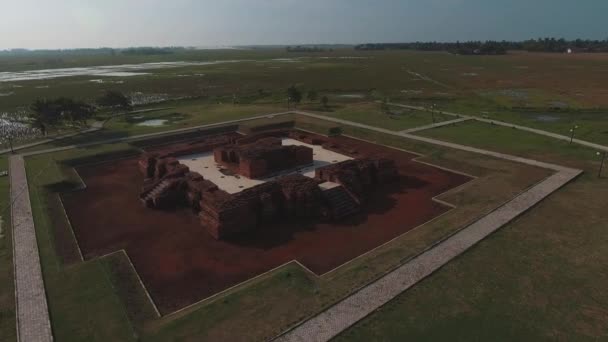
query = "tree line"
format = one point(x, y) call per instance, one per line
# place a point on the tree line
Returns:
point(46, 113)
point(295, 96)
point(307, 49)
point(496, 47)
point(144, 50)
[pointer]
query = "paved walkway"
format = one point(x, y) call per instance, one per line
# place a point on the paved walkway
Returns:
point(435, 125)
point(364, 302)
point(510, 125)
point(33, 322)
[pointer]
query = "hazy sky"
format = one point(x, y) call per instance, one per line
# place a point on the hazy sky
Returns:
point(119, 23)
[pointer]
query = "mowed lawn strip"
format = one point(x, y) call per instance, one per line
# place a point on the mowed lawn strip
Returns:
point(526, 280)
point(83, 305)
point(7, 288)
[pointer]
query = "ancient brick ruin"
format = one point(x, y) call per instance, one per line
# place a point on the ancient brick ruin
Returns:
point(262, 158)
point(337, 190)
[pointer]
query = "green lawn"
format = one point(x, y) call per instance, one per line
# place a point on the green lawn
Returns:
point(592, 126)
point(510, 140)
point(82, 303)
point(188, 116)
point(7, 292)
point(371, 114)
point(550, 268)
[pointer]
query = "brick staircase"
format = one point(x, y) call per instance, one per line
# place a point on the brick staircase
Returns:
point(148, 197)
point(341, 202)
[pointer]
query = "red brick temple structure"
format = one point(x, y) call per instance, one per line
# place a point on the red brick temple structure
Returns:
point(337, 190)
point(262, 158)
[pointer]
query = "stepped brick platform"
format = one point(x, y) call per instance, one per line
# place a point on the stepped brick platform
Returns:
point(180, 262)
point(169, 184)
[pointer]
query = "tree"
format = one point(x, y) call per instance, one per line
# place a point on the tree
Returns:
point(44, 113)
point(78, 111)
point(294, 95)
point(384, 106)
point(324, 101)
point(312, 95)
point(114, 99)
point(335, 131)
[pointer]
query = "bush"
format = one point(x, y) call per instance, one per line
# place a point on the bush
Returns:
point(334, 131)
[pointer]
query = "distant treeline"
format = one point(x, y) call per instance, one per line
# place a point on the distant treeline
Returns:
point(98, 51)
point(496, 47)
point(307, 49)
point(151, 50)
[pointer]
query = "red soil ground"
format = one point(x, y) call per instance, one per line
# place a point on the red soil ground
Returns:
point(180, 263)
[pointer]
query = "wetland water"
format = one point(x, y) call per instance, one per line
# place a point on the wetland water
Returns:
point(123, 70)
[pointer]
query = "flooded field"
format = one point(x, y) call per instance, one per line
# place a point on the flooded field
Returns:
point(124, 70)
point(153, 123)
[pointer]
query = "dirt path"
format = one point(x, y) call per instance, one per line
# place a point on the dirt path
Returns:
point(428, 79)
point(435, 125)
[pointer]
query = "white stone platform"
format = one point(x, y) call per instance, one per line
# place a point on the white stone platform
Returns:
point(205, 164)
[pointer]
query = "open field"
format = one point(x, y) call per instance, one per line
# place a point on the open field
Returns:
point(238, 311)
point(546, 91)
point(187, 115)
point(371, 114)
point(522, 283)
point(550, 268)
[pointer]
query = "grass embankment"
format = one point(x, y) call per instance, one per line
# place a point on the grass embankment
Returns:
point(526, 280)
point(82, 303)
point(7, 289)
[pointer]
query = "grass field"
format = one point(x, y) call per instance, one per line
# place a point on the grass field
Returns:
point(397, 120)
point(550, 268)
point(187, 116)
point(509, 140)
point(541, 277)
point(89, 292)
point(79, 295)
point(546, 91)
point(7, 293)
